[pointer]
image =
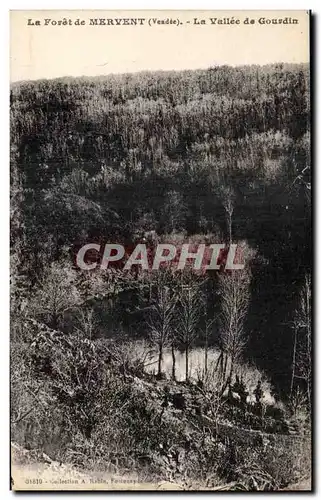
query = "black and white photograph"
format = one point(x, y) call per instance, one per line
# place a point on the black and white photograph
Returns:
point(160, 251)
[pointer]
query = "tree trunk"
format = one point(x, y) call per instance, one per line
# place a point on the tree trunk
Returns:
point(186, 363)
point(293, 361)
point(225, 379)
point(173, 363)
point(230, 228)
point(232, 368)
point(160, 359)
point(206, 355)
point(309, 397)
point(224, 367)
point(54, 321)
point(219, 367)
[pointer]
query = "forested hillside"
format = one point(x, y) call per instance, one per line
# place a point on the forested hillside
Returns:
point(216, 155)
point(124, 154)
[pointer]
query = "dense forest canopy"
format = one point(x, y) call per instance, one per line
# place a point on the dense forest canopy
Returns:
point(116, 156)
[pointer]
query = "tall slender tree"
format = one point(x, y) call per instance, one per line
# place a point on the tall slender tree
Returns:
point(302, 348)
point(190, 309)
point(160, 321)
point(234, 291)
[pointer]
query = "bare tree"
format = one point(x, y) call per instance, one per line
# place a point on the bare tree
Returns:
point(294, 354)
point(302, 345)
point(211, 391)
point(57, 294)
point(87, 323)
point(160, 321)
point(190, 302)
point(208, 328)
point(234, 291)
